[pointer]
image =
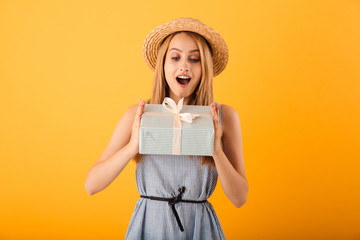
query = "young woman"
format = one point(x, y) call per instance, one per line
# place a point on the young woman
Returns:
point(186, 55)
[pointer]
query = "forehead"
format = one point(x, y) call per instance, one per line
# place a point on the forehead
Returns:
point(183, 41)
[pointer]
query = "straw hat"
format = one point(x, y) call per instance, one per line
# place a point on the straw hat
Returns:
point(156, 36)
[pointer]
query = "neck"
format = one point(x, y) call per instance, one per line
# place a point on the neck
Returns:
point(187, 100)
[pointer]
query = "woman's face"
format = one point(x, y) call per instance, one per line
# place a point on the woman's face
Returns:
point(182, 66)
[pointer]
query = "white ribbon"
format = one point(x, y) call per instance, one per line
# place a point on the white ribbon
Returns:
point(171, 106)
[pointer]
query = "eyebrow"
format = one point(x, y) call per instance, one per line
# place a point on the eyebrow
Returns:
point(195, 50)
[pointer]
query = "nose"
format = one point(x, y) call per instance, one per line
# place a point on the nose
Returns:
point(184, 66)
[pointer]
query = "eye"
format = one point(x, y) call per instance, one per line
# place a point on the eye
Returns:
point(174, 58)
point(194, 60)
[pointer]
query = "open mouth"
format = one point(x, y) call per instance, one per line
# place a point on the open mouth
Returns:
point(183, 80)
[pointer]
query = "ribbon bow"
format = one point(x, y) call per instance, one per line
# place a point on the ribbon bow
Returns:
point(171, 106)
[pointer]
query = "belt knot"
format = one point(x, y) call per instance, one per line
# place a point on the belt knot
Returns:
point(178, 198)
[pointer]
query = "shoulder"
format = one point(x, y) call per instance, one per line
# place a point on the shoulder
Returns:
point(131, 111)
point(229, 114)
point(129, 114)
point(229, 117)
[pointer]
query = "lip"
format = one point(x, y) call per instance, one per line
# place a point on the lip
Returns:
point(183, 75)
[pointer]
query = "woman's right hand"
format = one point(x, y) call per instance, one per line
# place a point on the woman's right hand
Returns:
point(134, 140)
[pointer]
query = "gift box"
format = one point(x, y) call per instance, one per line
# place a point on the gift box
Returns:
point(176, 129)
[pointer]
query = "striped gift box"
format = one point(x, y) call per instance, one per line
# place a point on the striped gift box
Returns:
point(157, 131)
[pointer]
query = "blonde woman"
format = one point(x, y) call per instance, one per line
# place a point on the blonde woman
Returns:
point(185, 55)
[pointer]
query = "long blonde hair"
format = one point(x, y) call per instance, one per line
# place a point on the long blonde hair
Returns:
point(202, 95)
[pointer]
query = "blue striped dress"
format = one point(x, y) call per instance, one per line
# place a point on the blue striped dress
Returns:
point(162, 176)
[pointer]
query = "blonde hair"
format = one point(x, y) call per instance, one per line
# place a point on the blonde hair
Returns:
point(202, 95)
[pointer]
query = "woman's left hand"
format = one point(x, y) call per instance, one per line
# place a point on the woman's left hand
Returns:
point(216, 119)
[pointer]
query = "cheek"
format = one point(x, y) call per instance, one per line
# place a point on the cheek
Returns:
point(168, 77)
point(168, 69)
point(198, 71)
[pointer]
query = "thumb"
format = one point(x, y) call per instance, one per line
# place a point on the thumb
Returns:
point(140, 108)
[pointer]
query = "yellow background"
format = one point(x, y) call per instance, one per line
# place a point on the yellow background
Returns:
point(69, 69)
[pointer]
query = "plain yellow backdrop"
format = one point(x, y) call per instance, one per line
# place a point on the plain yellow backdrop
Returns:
point(69, 70)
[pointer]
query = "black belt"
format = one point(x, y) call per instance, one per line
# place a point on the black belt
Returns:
point(173, 201)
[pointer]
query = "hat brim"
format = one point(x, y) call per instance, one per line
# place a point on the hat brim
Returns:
point(218, 45)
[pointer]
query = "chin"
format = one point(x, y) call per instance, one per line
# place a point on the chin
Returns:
point(184, 95)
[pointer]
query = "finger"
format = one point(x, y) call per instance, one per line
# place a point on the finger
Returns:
point(215, 116)
point(137, 120)
point(216, 127)
point(140, 109)
point(216, 111)
point(212, 110)
point(141, 105)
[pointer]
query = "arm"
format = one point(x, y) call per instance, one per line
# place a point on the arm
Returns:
point(123, 146)
point(229, 159)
